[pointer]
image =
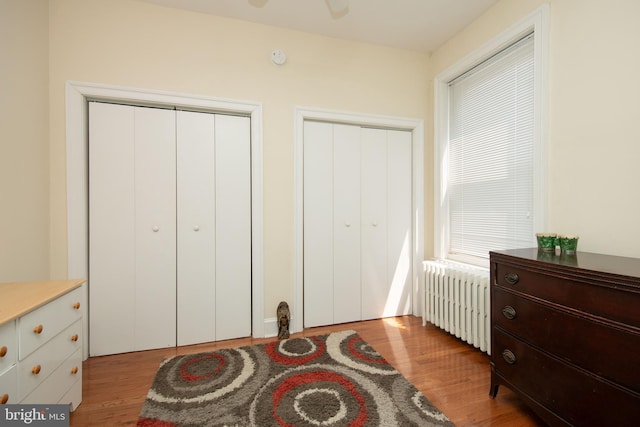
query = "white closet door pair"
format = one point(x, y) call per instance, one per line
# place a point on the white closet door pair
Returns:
point(357, 223)
point(169, 245)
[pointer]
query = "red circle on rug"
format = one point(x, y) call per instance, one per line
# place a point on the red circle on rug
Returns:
point(187, 376)
point(353, 342)
point(310, 377)
point(272, 350)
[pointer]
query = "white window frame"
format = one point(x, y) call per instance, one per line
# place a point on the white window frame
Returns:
point(538, 23)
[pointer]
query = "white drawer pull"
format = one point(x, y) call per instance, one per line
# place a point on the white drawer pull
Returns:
point(3, 351)
point(38, 329)
point(36, 370)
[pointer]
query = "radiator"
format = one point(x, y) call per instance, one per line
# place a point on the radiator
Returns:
point(456, 299)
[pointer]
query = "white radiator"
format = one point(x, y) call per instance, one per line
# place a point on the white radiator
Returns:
point(457, 300)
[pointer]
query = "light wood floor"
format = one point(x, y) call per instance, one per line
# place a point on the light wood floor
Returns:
point(453, 375)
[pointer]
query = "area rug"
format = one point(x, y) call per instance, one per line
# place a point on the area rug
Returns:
point(328, 380)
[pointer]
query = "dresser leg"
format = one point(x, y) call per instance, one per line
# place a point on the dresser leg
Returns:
point(493, 389)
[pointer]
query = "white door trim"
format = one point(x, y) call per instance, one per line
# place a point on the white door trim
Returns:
point(416, 127)
point(77, 96)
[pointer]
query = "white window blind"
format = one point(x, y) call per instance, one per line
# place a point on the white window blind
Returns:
point(490, 174)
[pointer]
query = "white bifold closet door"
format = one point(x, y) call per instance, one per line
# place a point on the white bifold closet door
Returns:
point(214, 227)
point(169, 228)
point(357, 223)
point(132, 231)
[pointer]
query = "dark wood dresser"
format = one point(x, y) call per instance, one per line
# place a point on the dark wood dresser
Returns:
point(565, 335)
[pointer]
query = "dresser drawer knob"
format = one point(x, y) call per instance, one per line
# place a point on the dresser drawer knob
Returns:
point(3, 351)
point(511, 278)
point(74, 337)
point(509, 357)
point(38, 329)
point(76, 306)
point(4, 399)
point(509, 312)
point(74, 370)
point(36, 370)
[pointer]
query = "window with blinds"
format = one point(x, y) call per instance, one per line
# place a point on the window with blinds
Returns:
point(490, 154)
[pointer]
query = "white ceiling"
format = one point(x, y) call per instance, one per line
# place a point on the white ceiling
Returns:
point(419, 25)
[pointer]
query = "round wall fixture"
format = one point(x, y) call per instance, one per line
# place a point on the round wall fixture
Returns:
point(278, 57)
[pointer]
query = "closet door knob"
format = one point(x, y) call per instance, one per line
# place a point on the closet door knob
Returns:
point(3, 351)
point(375, 224)
point(38, 329)
point(4, 399)
point(76, 306)
point(155, 228)
point(196, 228)
point(347, 224)
point(74, 370)
point(74, 337)
point(36, 370)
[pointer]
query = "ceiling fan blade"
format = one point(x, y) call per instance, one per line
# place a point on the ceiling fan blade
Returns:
point(338, 8)
point(258, 3)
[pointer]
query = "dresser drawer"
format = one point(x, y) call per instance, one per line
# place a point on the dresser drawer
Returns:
point(590, 345)
point(44, 323)
point(583, 399)
point(57, 385)
point(39, 365)
point(9, 386)
point(8, 345)
point(601, 299)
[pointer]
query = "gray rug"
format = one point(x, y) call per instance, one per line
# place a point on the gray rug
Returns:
point(329, 380)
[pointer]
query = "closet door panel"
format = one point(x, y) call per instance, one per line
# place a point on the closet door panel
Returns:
point(399, 223)
point(111, 229)
point(155, 228)
point(374, 223)
point(233, 226)
point(318, 224)
point(196, 228)
point(346, 223)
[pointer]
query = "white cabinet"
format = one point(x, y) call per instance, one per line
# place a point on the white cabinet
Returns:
point(41, 346)
point(357, 223)
point(8, 360)
point(170, 228)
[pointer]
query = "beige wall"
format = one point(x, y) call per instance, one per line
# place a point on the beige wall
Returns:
point(592, 146)
point(135, 44)
point(594, 137)
point(24, 138)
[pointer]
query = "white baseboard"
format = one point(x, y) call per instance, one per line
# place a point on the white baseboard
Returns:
point(271, 327)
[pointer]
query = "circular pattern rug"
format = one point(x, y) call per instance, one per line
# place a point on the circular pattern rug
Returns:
point(328, 380)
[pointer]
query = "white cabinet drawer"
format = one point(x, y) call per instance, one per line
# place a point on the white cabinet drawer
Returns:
point(73, 397)
point(9, 385)
point(44, 323)
point(41, 364)
point(59, 384)
point(8, 345)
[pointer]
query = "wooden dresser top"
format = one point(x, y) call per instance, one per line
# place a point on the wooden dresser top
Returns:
point(18, 298)
point(579, 263)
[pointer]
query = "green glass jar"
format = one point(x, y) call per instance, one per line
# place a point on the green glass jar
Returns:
point(547, 241)
point(568, 243)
